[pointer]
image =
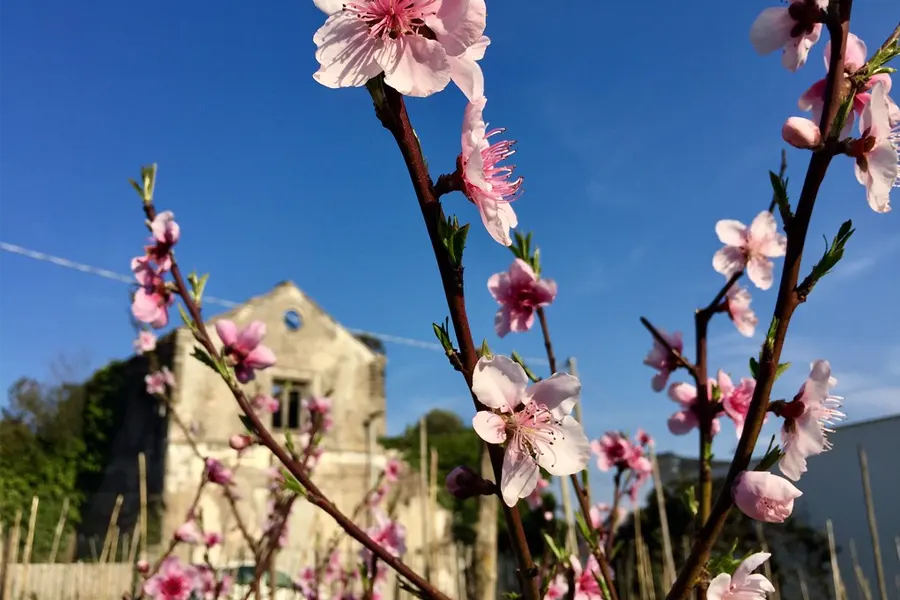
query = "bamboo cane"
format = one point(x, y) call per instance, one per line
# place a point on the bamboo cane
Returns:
point(57, 534)
point(29, 542)
point(873, 525)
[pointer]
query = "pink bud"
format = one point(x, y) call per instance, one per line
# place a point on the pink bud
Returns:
point(765, 497)
point(142, 566)
point(462, 482)
point(239, 441)
point(213, 539)
point(801, 133)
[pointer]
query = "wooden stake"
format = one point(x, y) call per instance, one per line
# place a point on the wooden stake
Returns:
point(60, 525)
point(423, 495)
point(764, 546)
point(873, 526)
point(29, 542)
point(142, 474)
point(804, 591)
point(835, 569)
point(113, 520)
point(861, 580)
point(10, 556)
point(572, 367)
point(668, 555)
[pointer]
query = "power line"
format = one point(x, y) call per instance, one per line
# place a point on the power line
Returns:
point(113, 276)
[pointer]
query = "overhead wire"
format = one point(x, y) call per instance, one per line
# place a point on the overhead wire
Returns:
point(119, 277)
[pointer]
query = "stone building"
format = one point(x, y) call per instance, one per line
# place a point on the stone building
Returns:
point(316, 356)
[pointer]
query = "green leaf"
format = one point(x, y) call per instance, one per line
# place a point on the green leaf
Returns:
point(690, 500)
point(204, 357)
point(559, 553)
point(289, 442)
point(291, 483)
point(754, 368)
point(485, 350)
point(781, 369)
point(248, 424)
point(517, 358)
point(779, 189)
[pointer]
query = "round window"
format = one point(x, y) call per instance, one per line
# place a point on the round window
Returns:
point(292, 320)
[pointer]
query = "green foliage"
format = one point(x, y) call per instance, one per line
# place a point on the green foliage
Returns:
point(40, 450)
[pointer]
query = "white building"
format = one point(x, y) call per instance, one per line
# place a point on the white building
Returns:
point(833, 489)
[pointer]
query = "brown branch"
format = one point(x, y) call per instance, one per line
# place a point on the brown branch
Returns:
point(313, 494)
point(787, 301)
point(393, 115)
point(679, 357)
point(583, 500)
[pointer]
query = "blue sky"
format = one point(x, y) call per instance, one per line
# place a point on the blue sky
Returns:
point(635, 134)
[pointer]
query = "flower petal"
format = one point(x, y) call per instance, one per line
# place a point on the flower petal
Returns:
point(718, 587)
point(682, 422)
point(415, 66)
point(329, 7)
point(771, 30)
point(731, 232)
point(750, 564)
point(759, 270)
point(520, 475)
point(474, 128)
point(881, 175)
point(683, 393)
point(568, 453)
point(458, 24)
point(499, 383)
point(558, 393)
point(465, 71)
point(489, 426)
point(346, 53)
point(260, 357)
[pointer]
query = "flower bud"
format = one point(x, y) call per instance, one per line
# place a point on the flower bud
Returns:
point(801, 133)
point(765, 497)
point(463, 482)
point(142, 566)
point(239, 441)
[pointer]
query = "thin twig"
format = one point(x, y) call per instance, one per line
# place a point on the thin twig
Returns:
point(391, 110)
point(313, 494)
point(786, 303)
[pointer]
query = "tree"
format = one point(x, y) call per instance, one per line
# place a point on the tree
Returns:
point(40, 449)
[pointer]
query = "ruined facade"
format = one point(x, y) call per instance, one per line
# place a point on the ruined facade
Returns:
point(316, 356)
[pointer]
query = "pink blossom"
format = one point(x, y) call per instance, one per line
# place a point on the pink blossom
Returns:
point(598, 514)
point(765, 497)
point(240, 441)
point(519, 293)
point(145, 342)
point(794, 28)
point(318, 404)
point(159, 381)
point(173, 581)
point(142, 566)
point(387, 533)
point(392, 470)
point(737, 302)
point(243, 349)
point(744, 584)
point(685, 419)
point(209, 587)
point(876, 152)
point(642, 468)
point(801, 133)
point(813, 99)
point(661, 359)
point(736, 399)
point(586, 585)
point(536, 498)
point(213, 539)
point(152, 299)
point(218, 473)
point(749, 248)
point(533, 421)
point(420, 45)
point(165, 235)
point(189, 532)
point(306, 583)
point(643, 438)
point(613, 450)
point(266, 404)
point(807, 419)
point(485, 183)
point(557, 588)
